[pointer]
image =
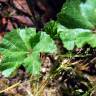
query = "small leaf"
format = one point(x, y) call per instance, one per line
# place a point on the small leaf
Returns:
point(51, 28)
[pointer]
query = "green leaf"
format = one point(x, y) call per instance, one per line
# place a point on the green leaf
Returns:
point(23, 47)
point(92, 41)
point(71, 37)
point(51, 28)
point(78, 14)
point(32, 63)
point(8, 68)
point(83, 38)
point(45, 44)
point(89, 10)
point(26, 34)
point(76, 37)
point(80, 17)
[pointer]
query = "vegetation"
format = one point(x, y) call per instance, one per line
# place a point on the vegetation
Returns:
point(59, 54)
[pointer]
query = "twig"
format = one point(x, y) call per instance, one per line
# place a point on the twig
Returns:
point(9, 88)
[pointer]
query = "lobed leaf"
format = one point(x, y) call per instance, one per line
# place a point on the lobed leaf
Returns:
point(23, 47)
point(73, 37)
point(78, 14)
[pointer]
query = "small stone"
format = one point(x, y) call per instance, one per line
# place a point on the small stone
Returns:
point(43, 70)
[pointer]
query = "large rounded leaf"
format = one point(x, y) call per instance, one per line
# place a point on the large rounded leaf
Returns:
point(73, 37)
point(23, 47)
point(78, 14)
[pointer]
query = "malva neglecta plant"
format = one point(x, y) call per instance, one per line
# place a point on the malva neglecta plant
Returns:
point(75, 24)
point(23, 47)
